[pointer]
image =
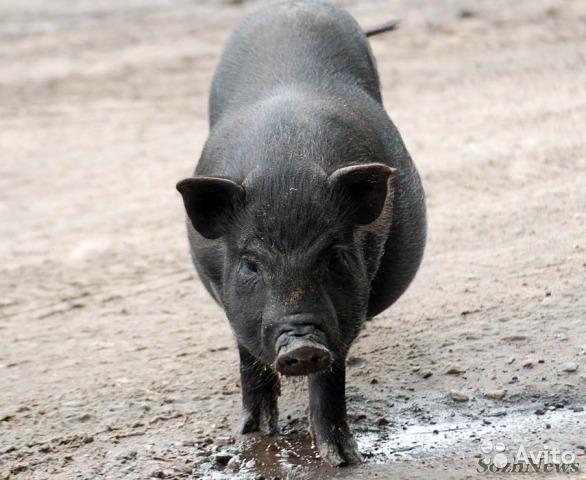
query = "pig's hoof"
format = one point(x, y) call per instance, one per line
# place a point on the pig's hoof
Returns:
point(341, 452)
point(266, 422)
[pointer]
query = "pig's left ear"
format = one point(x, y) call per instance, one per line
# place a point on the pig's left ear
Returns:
point(210, 203)
point(366, 188)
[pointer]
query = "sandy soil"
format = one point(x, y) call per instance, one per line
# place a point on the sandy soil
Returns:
point(114, 362)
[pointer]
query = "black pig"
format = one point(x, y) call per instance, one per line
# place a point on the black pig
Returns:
point(306, 214)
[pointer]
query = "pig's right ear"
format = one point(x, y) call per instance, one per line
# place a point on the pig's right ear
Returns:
point(210, 203)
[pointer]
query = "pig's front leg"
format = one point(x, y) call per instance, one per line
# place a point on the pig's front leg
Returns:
point(260, 391)
point(327, 404)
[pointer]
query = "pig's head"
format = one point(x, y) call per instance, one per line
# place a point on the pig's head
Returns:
point(296, 281)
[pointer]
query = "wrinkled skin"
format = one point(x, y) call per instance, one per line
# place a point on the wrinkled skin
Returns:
point(306, 214)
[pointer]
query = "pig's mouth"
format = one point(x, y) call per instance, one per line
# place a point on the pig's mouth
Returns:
point(301, 355)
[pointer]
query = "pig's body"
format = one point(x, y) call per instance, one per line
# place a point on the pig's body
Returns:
point(307, 213)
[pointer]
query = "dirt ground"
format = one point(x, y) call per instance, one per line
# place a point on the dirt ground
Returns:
point(115, 363)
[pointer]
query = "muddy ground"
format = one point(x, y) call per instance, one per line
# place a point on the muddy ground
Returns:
point(115, 363)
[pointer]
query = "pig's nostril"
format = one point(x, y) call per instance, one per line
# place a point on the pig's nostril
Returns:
point(302, 357)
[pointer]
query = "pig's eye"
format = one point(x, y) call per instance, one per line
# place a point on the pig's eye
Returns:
point(248, 270)
point(339, 263)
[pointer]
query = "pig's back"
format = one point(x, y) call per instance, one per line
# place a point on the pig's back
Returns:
point(310, 44)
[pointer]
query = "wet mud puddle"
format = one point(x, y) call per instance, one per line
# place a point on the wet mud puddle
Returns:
point(455, 445)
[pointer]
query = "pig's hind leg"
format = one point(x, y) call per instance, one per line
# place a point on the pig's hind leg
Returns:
point(260, 391)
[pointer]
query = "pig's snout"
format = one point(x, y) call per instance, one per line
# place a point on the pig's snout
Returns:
point(301, 345)
point(302, 356)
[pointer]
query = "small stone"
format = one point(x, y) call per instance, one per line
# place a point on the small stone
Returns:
point(223, 458)
point(272, 447)
point(495, 394)
point(18, 468)
point(426, 374)
point(458, 396)
point(156, 473)
point(577, 409)
point(454, 369)
point(184, 468)
point(129, 455)
point(382, 421)
point(233, 464)
point(539, 411)
point(529, 363)
point(211, 449)
point(570, 367)
point(224, 440)
point(515, 338)
point(465, 13)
